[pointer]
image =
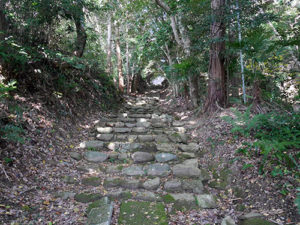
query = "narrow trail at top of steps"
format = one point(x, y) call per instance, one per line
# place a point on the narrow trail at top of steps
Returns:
point(142, 160)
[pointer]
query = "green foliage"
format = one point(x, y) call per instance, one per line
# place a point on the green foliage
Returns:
point(12, 133)
point(6, 88)
point(276, 139)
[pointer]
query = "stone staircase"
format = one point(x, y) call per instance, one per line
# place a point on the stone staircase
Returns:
point(143, 159)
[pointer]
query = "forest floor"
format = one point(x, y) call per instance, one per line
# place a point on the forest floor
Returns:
point(42, 167)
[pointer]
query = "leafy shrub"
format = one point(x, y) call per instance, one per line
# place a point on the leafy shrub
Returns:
point(12, 133)
point(276, 139)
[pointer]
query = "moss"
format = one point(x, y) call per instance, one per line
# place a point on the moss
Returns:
point(91, 181)
point(146, 213)
point(168, 198)
point(93, 205)
point(113, 183)
point(87, 197)
point(240, 207)
point(256, 221)
point(120, 167)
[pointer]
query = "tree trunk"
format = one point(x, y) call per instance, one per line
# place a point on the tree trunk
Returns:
point(216, 85)
point(3, 21)
point(127, 62)
point(120, 63)
point(81, 36)
point(109, 34)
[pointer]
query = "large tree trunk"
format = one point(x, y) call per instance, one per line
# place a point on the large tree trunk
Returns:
point(216, 85)
point(120, 63)
point(109, 34)
point(81, 36)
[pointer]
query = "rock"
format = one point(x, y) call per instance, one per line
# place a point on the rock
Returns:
point(105, 137)
point(179, 129)
point(140, 116)
point(87, 197)
point(115, 124)
point(188, 155)
point(122, 130)
point(128, 120)
point(91, 181)
point(173, 185)
point(89, 168)
point(159, 124)
point(123, 156)
point(114, 169)
point(228, 221)
point(204, 175)
point(178, 123)
point(65, 195)
point(131, 184)
point(178, 138)
point(91, 144)
point(112, 182)
point(121, 137)
point(100, 213)
point(141, 157)
point(130, 125)
point(166, 147)
point(186, 171)
point(113, 155)
point(194, 186)
point(104, 130)
point(139, 129)
point(191, 162)
point(250, 215)
point(69, 179)
point(151, 184)
point(162, 139)
point(133, 171)
point(256, 221)
point(75, 155)
point(145, 138)
point(183, 200)
point(147, 196)
point(143, 124)
point(206, 201)
point(191, 147)
point(157, 169)
point(132, 138)
point(165, 157)
point(95, 157)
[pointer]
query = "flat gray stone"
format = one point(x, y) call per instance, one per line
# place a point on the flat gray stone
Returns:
point(121, 137)
point(147, 196)
point(165, 157)
point(152, 184)
point(194, 186)
point(146, 138)
point(91, 144)
point(178, 138)
point(131, 184)
point(104, 130)
point(101, 214)
point(184, 199)
point(69, 179)
point(250, 215)
point(179, 129)
point(139, 129)
point(130, 125)
point(206, 201)
point(228, 221)
point(113, 169)
point(162, 139)
point(141, 157)
point(143, 124)
point(181, 170)
point(133, 171)
point(166, 147)
point(158, 169)
point(115, 124)
point(95, 157)
point(140, 116)
point(178, 123)
point(122, 130)
point(191, 147)
point(132, 138)
point(105, 137)
point(191, 162)
point(65, 195)
point(123, 156)
point(75, 155)
point(173, 185)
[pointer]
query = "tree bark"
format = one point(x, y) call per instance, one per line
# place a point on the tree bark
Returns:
point(109, 44)
point(3, 21)
point(216, 85)
point(120, 63)
point(127, 63)
point(81, 36)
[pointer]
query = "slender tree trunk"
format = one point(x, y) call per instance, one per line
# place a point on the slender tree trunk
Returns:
point(109, 44)
point(81, 35)
point(216, 85)
point(127, 63)
point(3, 21)
point(120, 63)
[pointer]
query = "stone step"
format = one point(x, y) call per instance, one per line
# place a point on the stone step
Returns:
point(100, 212)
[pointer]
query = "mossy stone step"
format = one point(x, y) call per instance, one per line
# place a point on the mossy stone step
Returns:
point(146, 213)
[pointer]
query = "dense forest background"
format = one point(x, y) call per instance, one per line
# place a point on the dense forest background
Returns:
point(212, 54)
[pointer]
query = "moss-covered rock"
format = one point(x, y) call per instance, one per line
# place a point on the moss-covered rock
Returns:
point(87, 197)
point(255, 221)
point(146, 213)
point(91, 181)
